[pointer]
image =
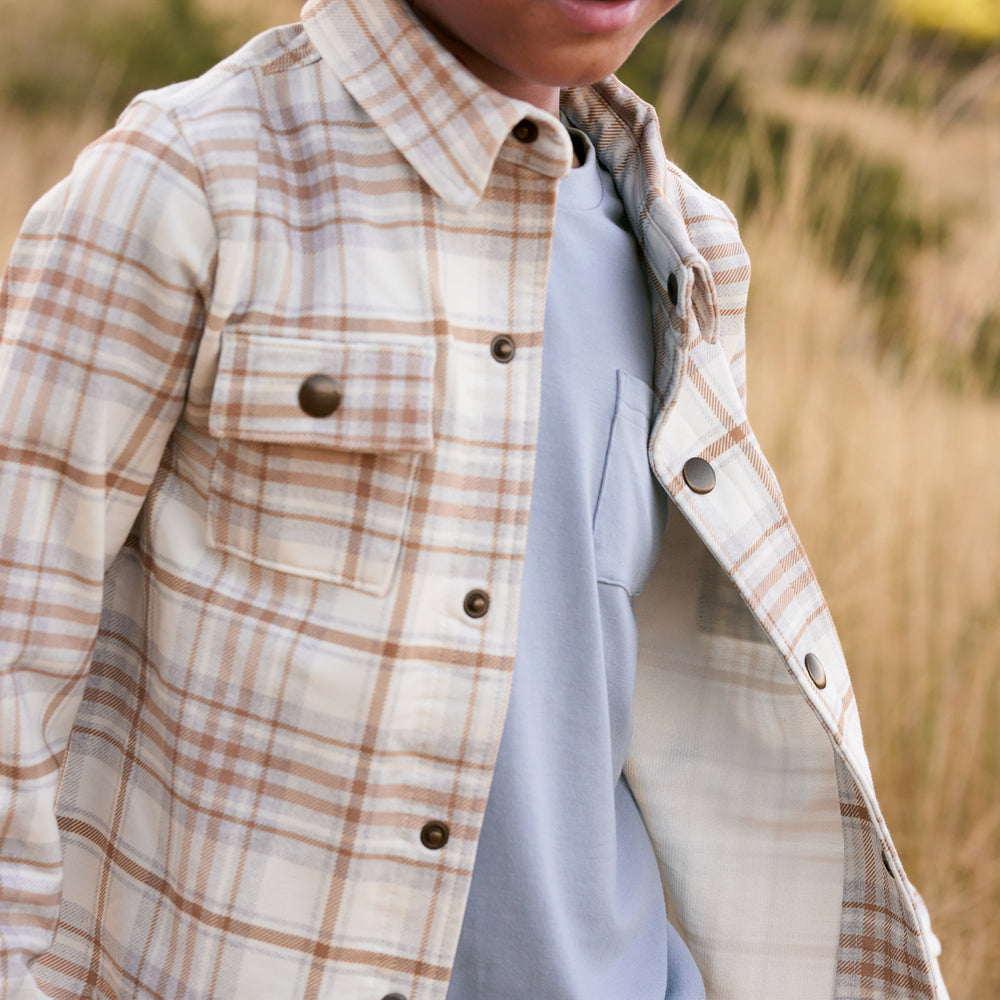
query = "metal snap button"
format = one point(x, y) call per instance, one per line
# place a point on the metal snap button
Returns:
point(699, 475)
point(525, 131)
point(816, 670)
point(476, 603)
point(319, 395)
point(888, 867)
point(502, 348)
point(672, 288)
point(434, 835)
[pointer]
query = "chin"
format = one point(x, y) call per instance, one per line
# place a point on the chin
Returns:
point(579, 75)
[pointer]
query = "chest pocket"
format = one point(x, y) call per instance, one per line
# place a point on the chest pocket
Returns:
point(631, 513)
point(320, 496)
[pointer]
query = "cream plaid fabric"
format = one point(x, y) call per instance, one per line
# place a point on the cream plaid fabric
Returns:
point(222, 794)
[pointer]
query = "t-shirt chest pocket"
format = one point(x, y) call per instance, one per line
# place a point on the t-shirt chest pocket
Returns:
point(631, 513)
point(319, 447)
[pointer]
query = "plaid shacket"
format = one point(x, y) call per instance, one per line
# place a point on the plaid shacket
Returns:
point(239, 672)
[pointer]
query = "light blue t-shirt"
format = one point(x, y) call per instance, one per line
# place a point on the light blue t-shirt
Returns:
point(566, 902)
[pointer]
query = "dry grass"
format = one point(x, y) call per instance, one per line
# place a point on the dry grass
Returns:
point(39, 149)
point(36, 155)
point(891, 474)
point(895, 489)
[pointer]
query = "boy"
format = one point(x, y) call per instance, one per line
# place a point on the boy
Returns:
point(275, 413)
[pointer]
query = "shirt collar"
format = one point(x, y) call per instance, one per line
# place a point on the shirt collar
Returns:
point(450, 126)
point(625, 132)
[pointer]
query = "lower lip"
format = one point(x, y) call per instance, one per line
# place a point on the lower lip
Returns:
point(598, 16)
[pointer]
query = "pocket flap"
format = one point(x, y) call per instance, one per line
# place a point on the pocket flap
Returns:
point(387, 392)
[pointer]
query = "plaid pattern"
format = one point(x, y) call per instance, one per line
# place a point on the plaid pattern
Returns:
point(388, 393)
point(222, 794)
point(878, 953)
point(326, 497)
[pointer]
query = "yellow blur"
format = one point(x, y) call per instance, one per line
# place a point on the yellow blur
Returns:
point(978, 19)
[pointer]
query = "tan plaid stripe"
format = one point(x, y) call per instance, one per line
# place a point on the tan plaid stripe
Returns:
point(284, 687)
point(880, 949)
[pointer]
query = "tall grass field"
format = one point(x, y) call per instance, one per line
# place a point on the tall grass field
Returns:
point(859, 144)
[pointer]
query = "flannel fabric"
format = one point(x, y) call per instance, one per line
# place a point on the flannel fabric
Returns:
point(238, 679)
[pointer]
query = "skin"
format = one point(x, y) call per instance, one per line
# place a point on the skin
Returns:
point(530, 49)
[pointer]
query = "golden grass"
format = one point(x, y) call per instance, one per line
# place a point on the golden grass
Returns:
point(895, 489)
point(36, 155)
point(892, 477)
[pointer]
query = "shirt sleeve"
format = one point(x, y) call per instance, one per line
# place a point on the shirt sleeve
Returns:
point(101, 308)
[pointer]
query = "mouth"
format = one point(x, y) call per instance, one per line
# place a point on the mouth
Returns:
point(599, 16)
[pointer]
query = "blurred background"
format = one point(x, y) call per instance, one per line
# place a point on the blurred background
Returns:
point(858, 141)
